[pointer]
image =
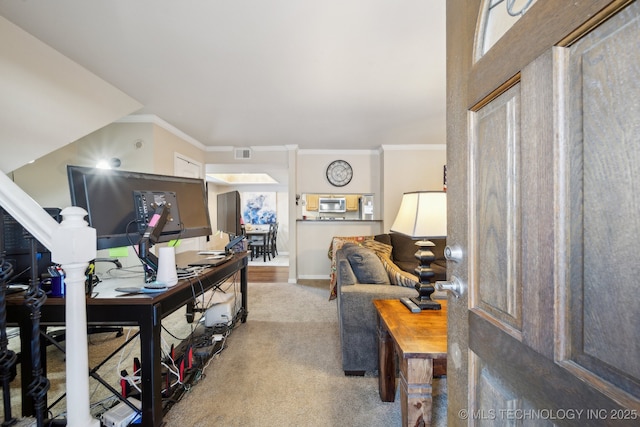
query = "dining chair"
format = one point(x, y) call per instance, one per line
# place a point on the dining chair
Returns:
point(262, 246)
point(274, 240)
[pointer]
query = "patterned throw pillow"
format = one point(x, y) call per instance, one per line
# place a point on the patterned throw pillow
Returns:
point(381, 249)
point(397, 276)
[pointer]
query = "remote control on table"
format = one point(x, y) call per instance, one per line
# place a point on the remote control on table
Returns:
point(410, 305)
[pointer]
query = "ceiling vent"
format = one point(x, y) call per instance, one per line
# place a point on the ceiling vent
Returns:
point(242, 153)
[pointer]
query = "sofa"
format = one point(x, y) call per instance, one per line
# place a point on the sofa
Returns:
point(369, 268)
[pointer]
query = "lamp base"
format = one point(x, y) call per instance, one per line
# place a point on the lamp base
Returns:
point(426, 304)
point(425, 274)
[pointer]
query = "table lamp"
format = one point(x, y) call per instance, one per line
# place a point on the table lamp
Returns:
point(423, 215)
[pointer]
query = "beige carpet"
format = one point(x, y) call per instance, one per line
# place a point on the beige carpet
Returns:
point(283, 368)
point(280, 368)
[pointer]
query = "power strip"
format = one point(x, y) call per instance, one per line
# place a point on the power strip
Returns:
point(120, 415)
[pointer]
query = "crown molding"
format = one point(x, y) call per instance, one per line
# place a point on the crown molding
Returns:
point(263, 148)
point(313, 151)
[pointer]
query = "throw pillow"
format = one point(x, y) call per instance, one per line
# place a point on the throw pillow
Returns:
point(379, 248)
point(336, 244)
point(365, 264)
point(397, 276)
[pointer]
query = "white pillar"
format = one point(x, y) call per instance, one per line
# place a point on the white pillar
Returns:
point(74, 245)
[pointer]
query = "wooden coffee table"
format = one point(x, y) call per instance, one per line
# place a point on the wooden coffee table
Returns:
point(420, 341)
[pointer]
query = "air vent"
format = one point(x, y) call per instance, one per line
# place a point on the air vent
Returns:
point(243, 153)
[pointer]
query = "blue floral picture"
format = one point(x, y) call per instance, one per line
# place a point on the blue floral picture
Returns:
point(259, 208)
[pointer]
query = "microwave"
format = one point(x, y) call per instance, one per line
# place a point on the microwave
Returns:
point(332, 205)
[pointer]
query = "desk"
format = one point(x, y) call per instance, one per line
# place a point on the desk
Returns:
point(145, 311)
point(420, 340)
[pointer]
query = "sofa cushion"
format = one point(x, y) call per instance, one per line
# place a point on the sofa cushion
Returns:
point(366, 265)
point(438, 251)
point(404, 255)
point(383, 238)
point(404, 252)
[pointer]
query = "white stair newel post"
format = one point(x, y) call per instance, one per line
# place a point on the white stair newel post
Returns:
point(73, 246)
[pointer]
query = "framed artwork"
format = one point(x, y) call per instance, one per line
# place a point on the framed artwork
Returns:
point(259, 207)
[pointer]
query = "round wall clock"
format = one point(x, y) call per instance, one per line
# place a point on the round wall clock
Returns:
point(339, 173)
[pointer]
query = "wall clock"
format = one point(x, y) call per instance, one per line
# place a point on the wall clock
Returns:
point(339, 173)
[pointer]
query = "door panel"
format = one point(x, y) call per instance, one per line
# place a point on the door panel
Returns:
point(491, 392)
point(495, 277)
point(542, 155)
point(603, 92)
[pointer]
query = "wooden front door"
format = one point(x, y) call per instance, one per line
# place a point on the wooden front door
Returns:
point(543, 160)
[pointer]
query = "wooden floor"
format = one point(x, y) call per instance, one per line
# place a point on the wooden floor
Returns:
point(267, 274)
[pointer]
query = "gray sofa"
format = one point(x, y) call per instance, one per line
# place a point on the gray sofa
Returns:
point(359, 281)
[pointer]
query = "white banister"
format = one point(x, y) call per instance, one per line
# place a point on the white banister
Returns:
point(26, 211)
point(72, 244)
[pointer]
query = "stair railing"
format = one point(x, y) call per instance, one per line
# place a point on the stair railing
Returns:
point(72, 244)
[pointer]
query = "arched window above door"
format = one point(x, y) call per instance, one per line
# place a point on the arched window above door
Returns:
point(494, 19)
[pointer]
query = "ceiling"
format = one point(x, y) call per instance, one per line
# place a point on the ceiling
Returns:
point(350, 74)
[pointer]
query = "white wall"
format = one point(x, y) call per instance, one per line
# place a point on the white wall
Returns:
point(314, 240)
point(312, 171)
point(409, 168)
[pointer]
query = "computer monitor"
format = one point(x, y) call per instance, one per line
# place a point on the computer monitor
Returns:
point(17, 249)
point(108, 197)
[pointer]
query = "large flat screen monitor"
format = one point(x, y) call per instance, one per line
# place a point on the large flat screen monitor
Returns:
point(108, 196)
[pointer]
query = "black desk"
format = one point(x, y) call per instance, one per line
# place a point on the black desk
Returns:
point(145, 311)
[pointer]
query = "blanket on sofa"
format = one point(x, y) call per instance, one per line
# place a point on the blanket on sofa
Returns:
point(397, 276)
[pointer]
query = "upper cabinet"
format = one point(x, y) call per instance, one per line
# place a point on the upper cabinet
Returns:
point(312, 202)
point(352, 202)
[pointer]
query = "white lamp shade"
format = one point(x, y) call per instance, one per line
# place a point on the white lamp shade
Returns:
point(422, 215)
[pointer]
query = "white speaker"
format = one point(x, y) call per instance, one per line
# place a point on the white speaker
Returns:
point(167, 273)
